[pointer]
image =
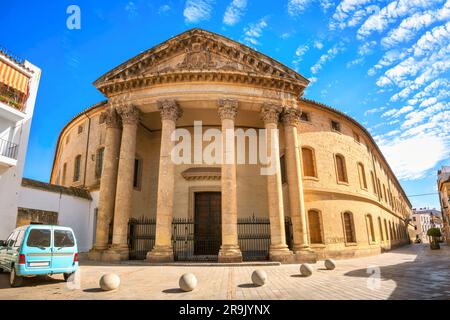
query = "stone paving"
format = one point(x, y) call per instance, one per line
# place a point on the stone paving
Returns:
point(410, 272)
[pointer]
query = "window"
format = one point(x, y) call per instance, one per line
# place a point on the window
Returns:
point(309, 162)
point(370, 228)
point(39, 238)
point(356, 137)
point(386, 229)
point(348, 227)
point(137, 174)
point(67, 138)
point(381, 229)
point(362, 176)
point(315, 226)
point(64, 239)
point(391, 234)
point(77, 168)
point(335, 126)
point(99, 163)
point(80, 129)
point(341, 169)
point(379, 189)
point(373, 182)
point(63, 182)
point(384, 192)
point(305, 117)
point(414, 218)
point(283, 169)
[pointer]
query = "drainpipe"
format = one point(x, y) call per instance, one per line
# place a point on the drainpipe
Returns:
point(87, 149)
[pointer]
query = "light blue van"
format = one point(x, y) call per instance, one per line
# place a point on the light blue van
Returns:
point(38, 250)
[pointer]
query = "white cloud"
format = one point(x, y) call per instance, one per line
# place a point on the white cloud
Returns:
point(197, 10)
point(253, 31)
point(326, 4)
point(329, 55)
point(394, 113)
point(163, 9)
point(366, 48)
point(296, 7)
point(318, 44)
point(131, 9)
point(299, 53)
point(350, 13)
point(409, 27)
point(234, 12)
point(374, 110)
point(380, 20)
point(411, 158)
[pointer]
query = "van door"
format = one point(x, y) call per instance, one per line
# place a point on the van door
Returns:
point(37, 249)
point(64, 249)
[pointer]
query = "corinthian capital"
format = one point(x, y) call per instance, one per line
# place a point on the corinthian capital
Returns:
point(112, 119)
point(270, 113)
point(169, 110)
point(227, 108)
point(129, 113)
point(291, 116)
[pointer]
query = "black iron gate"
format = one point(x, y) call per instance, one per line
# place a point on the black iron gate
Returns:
point(253, 237)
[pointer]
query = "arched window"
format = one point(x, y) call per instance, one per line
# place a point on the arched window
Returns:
point(315, 226)
point(370, 228)
point(309, 162)
point(341, 168)
point(64, 172)
point(349, 231)
point(362, 176)
point(77, 168)
point(386, 229)
point(391, 233)
point(374, 186)
point(99, 162)
point(381, 229)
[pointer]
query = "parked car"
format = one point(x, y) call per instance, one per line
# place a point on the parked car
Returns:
point(38, 250)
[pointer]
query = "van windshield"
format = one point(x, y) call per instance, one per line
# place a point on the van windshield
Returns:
point(39, 238)
point(64, 238)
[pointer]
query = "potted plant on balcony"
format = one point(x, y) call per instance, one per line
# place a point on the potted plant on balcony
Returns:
point(435, 234)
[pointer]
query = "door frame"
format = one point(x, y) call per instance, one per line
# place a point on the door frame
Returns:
point(192, 191)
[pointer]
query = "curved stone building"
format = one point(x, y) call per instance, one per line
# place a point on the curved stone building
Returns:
point(329, 180)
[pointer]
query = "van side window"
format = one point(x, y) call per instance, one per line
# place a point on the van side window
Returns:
point(64, 238)
point(39, 238)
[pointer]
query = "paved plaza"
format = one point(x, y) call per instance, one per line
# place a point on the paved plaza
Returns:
point(410, 272)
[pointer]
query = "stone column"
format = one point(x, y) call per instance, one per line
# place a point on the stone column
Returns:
point(108, 182)
point(124, 192)
point(163, 251)
point(229, 250)
point(303, 253)
point(278, 249)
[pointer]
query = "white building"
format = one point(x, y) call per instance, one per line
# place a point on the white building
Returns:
point(424, 219)
point(19, 81)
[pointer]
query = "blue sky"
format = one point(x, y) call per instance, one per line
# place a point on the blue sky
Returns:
point(385, 63)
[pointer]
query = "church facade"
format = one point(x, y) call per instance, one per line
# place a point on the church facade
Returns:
point(157, 148)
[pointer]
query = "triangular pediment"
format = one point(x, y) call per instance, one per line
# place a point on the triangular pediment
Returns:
point(200, 50)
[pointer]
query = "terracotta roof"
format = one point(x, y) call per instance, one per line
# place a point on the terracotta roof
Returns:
point(71, 191)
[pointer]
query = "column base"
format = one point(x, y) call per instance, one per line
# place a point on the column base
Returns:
point(281, 253)
point(160, 254)
point(96, 254)
point(230, 254)
point(305, 256)
point(115, 253)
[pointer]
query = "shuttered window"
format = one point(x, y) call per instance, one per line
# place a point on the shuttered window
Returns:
point(315, 226)
point(341, 169)
point(309, 162)
point(348, 227)
point(99, 163)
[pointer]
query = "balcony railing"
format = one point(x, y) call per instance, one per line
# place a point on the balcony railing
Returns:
point(12, 97)
point(8, 149)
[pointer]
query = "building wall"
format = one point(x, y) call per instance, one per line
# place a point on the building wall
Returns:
point(10, 178)
point(74, 212)
point(323, 193)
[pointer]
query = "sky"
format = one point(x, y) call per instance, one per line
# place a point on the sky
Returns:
point(384, 63)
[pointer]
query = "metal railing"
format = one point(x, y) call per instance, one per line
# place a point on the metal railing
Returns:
point(12, 55)
point(253, 237)
point(8, 149)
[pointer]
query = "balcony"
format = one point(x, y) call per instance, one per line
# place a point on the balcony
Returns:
point(8, 153)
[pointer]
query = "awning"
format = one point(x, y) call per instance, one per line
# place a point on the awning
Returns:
point(13, 78)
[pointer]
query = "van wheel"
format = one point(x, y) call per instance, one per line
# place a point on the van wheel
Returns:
point(14, 279)
point(67, 276)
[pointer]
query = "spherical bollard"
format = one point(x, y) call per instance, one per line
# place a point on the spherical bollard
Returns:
point(188, 282)
point(330, 264)
point(259, 277)
point(306, 270)
point(109, 281)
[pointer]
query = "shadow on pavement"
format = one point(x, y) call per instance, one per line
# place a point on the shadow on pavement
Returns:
point(29, 282)
point(173, 290)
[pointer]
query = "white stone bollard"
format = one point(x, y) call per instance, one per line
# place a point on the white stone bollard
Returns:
point(188, 282)
point(330, 264)
point(109, 281)
point(306, 270)
point(259, 277)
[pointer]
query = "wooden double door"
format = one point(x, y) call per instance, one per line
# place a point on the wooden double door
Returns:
point(208, 223)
